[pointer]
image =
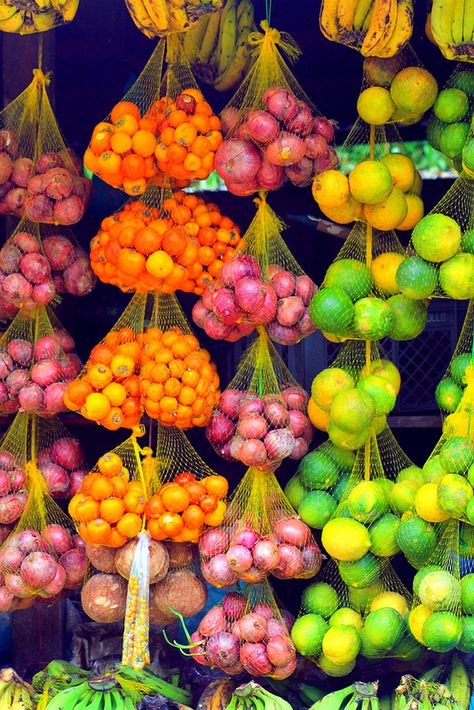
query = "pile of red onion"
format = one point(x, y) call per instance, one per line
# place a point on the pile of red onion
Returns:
point(40, 565)
point(261, 431)
point(288, 552)
point(63, 467)
point(235, 639)
point(243, 298)
point(283, 140)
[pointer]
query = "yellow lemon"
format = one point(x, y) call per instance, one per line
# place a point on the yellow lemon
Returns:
point(318, 417)
point(426, 504)
point(388, 213)
point(416, 621)
point(331, 189)
point(402, 170)
point(341, 644)
point(390, 599)
point(375, 105)
point(370, 182)
point(347, 212)
point(415, 211)
point(384, 270)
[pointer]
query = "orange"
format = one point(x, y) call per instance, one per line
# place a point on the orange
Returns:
point(115, 539)
point(101, 353)
point(109, 163)
point(110, 464)
point(112, 509)
point(217, 516)
point(127, 124)
point(196, 491)
point(159, 264)
point(133, 166)
point(144, 143)
point(78, 391)
point(169, 405)
point(156, 531)
point(159, 373)
point(120, 143)
point(124, 108)
point(99, 376)
point(185, 477)
point(171, 524)
point(86, 509)
point(122, 366)
point(114, 419)
point(134, 187)
point(96, 406)
point(101, 140)
point(147, 240)
point(129, 525)
point(98, 531)
point(175, 498)
point(73, 504)
point(208, 504)
point(172, 387)
point(193, 517)
point(134, 501)
point(154, 507)
point(101, 487)
point(188, 535)
point(216, 486)
point(116, 394)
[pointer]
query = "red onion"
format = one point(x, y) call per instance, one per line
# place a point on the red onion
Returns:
point(295, 398)
point(220, 428)
point(305, 288)
point(255, 660)
point(11, 558)
point(239, 558)
point(6, 600)
point(207, 296)
point(251, 405)
point(199, 313)
point(243, 189)
point(213, 542)
point(235, 630)
point(277, 414)
point(283, 672)
point(222, 650)
point(217, 572)
point(215, 328)
point(58, 537)
point(284, 283)
point(252, 427)
point(282, 335)
point(245, 537)
point(291, 562)
point(269, 176)
point(312, 560)
point(225, 306)
point(280, 650)
point(253, 575)
point(229, 403)
point(233, 605)
point(262, 127)
point(237, 161)
point(267, 311)
point(253, 627)
point(276, 627)
point(235, 446)
point(236, 669)
point(229, 120)
point(293, 531)
point(249, 294)
point(197, 652)
point(300, 449)
point(302, 123)
point(297, 422)
point(315, 145)
point(238, 268)
point(17, 586)
point(253, 452)
point(57, 583)
point(326, 161)
point(279, 443)
point(266, 555)
point(30, 541)
point(213, 622)
point(281, 103)
point(324, 127)
point(285, 150)
point(301, 174)
point(38, 569)
point(288, 619)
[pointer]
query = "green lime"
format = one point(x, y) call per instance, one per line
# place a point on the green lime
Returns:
point(466, 642)
point(433, 470)
point(383, 534)
point(439, 591)
point(307, 634)
point(341, 644)
point(317, 471)
point(361, 573)
point(464, 80)
point(458, 367)
point(352, 411)
point(434, 131)
point(442, 631)
point(384, 628)
point(327, 384)
point(338, 490)
point(334, 670)
point(454, 493)
point(411, 473)
point(467, 594)
point(294, 491)
point(316, 508)
point(468, 156)
point(402, 496)
point(448, 395)
point(408, 649)
point(367, 501)
point(350, 275)
point(436, 237)
point(416, 539)
point(451, 105)
point(456, 277)
point(345, 539)
point(344, 459)
point(331, 310)
point(409, 317)
point(320, 598)
point(360, 599)
point(346, 616)
point(421, 574)
point(416, 278)
point(367, 649)
point(372, 318)
point(457, 454)
point(382, 392)
point(453, 138)
point(345, 440)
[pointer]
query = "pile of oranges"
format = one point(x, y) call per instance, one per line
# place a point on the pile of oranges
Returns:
point(181, 509)
point(179, 383)
point(108, 510)
point(174, 138)
point(183, 245)
point(108, 390)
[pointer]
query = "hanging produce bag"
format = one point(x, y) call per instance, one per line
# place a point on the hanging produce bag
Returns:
point(272, 132)
point(161, 131)
point(157, 19)
point(136, 652)
point(360, 297)
point(185, 494)
point(13, 484)
point(164, 242)
point(450, 389)
point(37, 16)
point(260, 418)
point(41, 179)
point(260, 535)
point(37, 361)
point(262, 286)
point(440, 256)
point(178, 380)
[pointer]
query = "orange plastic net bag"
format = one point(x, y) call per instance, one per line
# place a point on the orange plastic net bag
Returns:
point(263, 285)
point(156, 18)
point(37, 16)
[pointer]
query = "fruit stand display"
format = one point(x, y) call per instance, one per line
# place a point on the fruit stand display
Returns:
point(220, 494)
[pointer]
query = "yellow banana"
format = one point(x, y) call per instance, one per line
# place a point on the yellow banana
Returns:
point(140, 17)
point(14, 23)
point(441, 20)
point(7, 11)
point(44, 21)
point(327, 19)
point(193, 39)
point(381, 26)
point(468, 26)
point(345, 21)
point(158, 13)
point(236, 71)
point(69, 9)
point(245, 14)
point(210, 39)
point(403, 31)
point(368, 20)
point(457, 21)
point(227, 37)
point(362, 10)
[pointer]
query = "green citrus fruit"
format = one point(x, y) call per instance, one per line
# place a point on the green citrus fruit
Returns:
point(466, 642)
point(331, 310)
point(408, 648)
point(327, 384)
point(433, 470)
point(434, 130)
point(320, 598)
point(454, 493)
point(409, 317)
point(452, 139)
point(464, 80)
point(370, 182)
point(372, 318)
point(384, 271)
point(402, 170)
point(416, 621)
point(361, 573)
point(294, 491)
point(448, 395)
point(345, 539)
point(341, 644)
point(456, 276)
point(416, 278)
point(334, 670)
point(467, 594)
point(402, 496)
point(442, 631)
point(414, 90)
point(367, 649)
point(451, 105)
point(352, 276)
point(316, 508)
point(468, 157)
point(344, 459)
point(416, 539)
point(458, 367)
point(360, 598)
point(384, 628)
point(457, 454)
point(411, 473)
point(388, 213)
point(317, 471)
point(439, 590)
point(381, 391)
point(383, 534)
point(367, 501)
point(421, 574)
point(391, 600)
point(345, 440)
point(467, 241)
point(436, 238)
point(427, 504)
point(375, 105)
point(340, 487)
point(387, 370)
point(347, 617)
point(307, 634)
point(352, 411)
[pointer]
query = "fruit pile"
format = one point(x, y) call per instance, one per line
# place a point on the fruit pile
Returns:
point(184, 245)
point(281, 140)
point(450, 122)
point(36, 17)
point(243, 298)
point(157, 20)
point(180, 509)
point(350, 406)
point(176, 138)
point(384, 193)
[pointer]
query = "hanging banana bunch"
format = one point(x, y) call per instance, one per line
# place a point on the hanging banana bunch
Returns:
point(24, 18)
point(156, 18)
point(217, 47)
point(450, 25)
point(375, 28)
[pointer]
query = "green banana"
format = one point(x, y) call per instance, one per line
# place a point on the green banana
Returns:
point(333, 700)
point(459, 683)
point(362, 10)
point(69, 698)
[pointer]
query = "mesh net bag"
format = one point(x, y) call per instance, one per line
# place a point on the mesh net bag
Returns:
point(107, 390)
point(164, 242)
point(260, 535)
point(246, 632)
point(38, 263)
point(156, 18)
point(263, 285)
point(185, 494)
point(37, 16)
point(368, 27)
point(360, 297)
point(41, 558)
point(260, 418)
point(178, 380)
point(351, 398)
point(161, 131)
point(450, 120)
point(272, 131)
point(41, 178)
point(38, 360)
point(450, 389)
point(440, 261)
point(441, 615)
point(13, 458)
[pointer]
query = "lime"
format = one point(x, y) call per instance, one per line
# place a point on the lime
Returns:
point(433, 470)
point(384, 270)
point(402, 170)
point(451, 105)
point(466, 642)
point(294, 491)
point(439, 590)
point(327, 384)
point(338, 490)
point(467, 241)
point(421, 574)
point(386, 485)
point(464, 80)
point(331, 310)
point(350, 275)
point(372, 318)
point(375, 105)
point(317, 471)
point(347, 617)
point(352, 411)
point(307, 634)
point(468, 157)
point(392, 600)
point(448, 395)
point(367, 649)
point(370, 182)
point(416, 278)
point(367, 501)
point(344, 459)
point(470, 475)
point(411, 473)
point(416, 539)
point(384, 628)
point(416, 621)
point(334, 670)
point(456, 276)
point(456, 424)
point(345, 440)
point(341, 644)
point(433, 133)
point(361, 573)
point(414, 89)
point(453, 138)
point(320, 598)
point(470, 511)
point(458, 367)
point(436, 237)
point(317, 508)
point(427, 505)
point(409, 317)
point(442, 631)
point(381, 391)
point(467, 594)
point(402, 496)
point(383, 534)
point(386, 369)
point(361, 598)
point(457, 454)
point(345, 539)
point(454, 493)
point(379, 425)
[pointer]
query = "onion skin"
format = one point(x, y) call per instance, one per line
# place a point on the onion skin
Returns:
point(213, 542)
point(197, 651)
point(291, 562)
point(239, 559)
point(245, 537)
point(217, 572)
point(233, 605)
point(266, 555)
point(255, 660)
point(222, 650)
point(253, 427)
point(285, 671)
point(213, 622)
point(280, 650)
point(262, 127)
point(280, 103)
point(312, 560)
point(253, 452)
point(237, 161)
point(253, 576)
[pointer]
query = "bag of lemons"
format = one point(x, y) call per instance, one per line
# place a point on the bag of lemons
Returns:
point(162, 131)
point(157, 18)
point(36, 16)
point(451, 387)
point(41, 179)
point(263, 285)
point(261, 534)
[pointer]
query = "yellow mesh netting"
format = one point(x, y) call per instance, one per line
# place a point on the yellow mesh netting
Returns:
point(275, 293)
point(41, 177)
point(162, 130)
point(449, 390)
point(156, 18)
point(13, 458)
point(260, 535)
point(261, 418)
point(37, 16)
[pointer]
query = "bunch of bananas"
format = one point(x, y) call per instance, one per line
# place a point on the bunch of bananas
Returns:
point(358, 696)
point(427, 693)
point(450, 25)
point(27, 16)
point(375, 28)
point(14, 692)
point(252, 695)
point(156, 18)
point(217, 47)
